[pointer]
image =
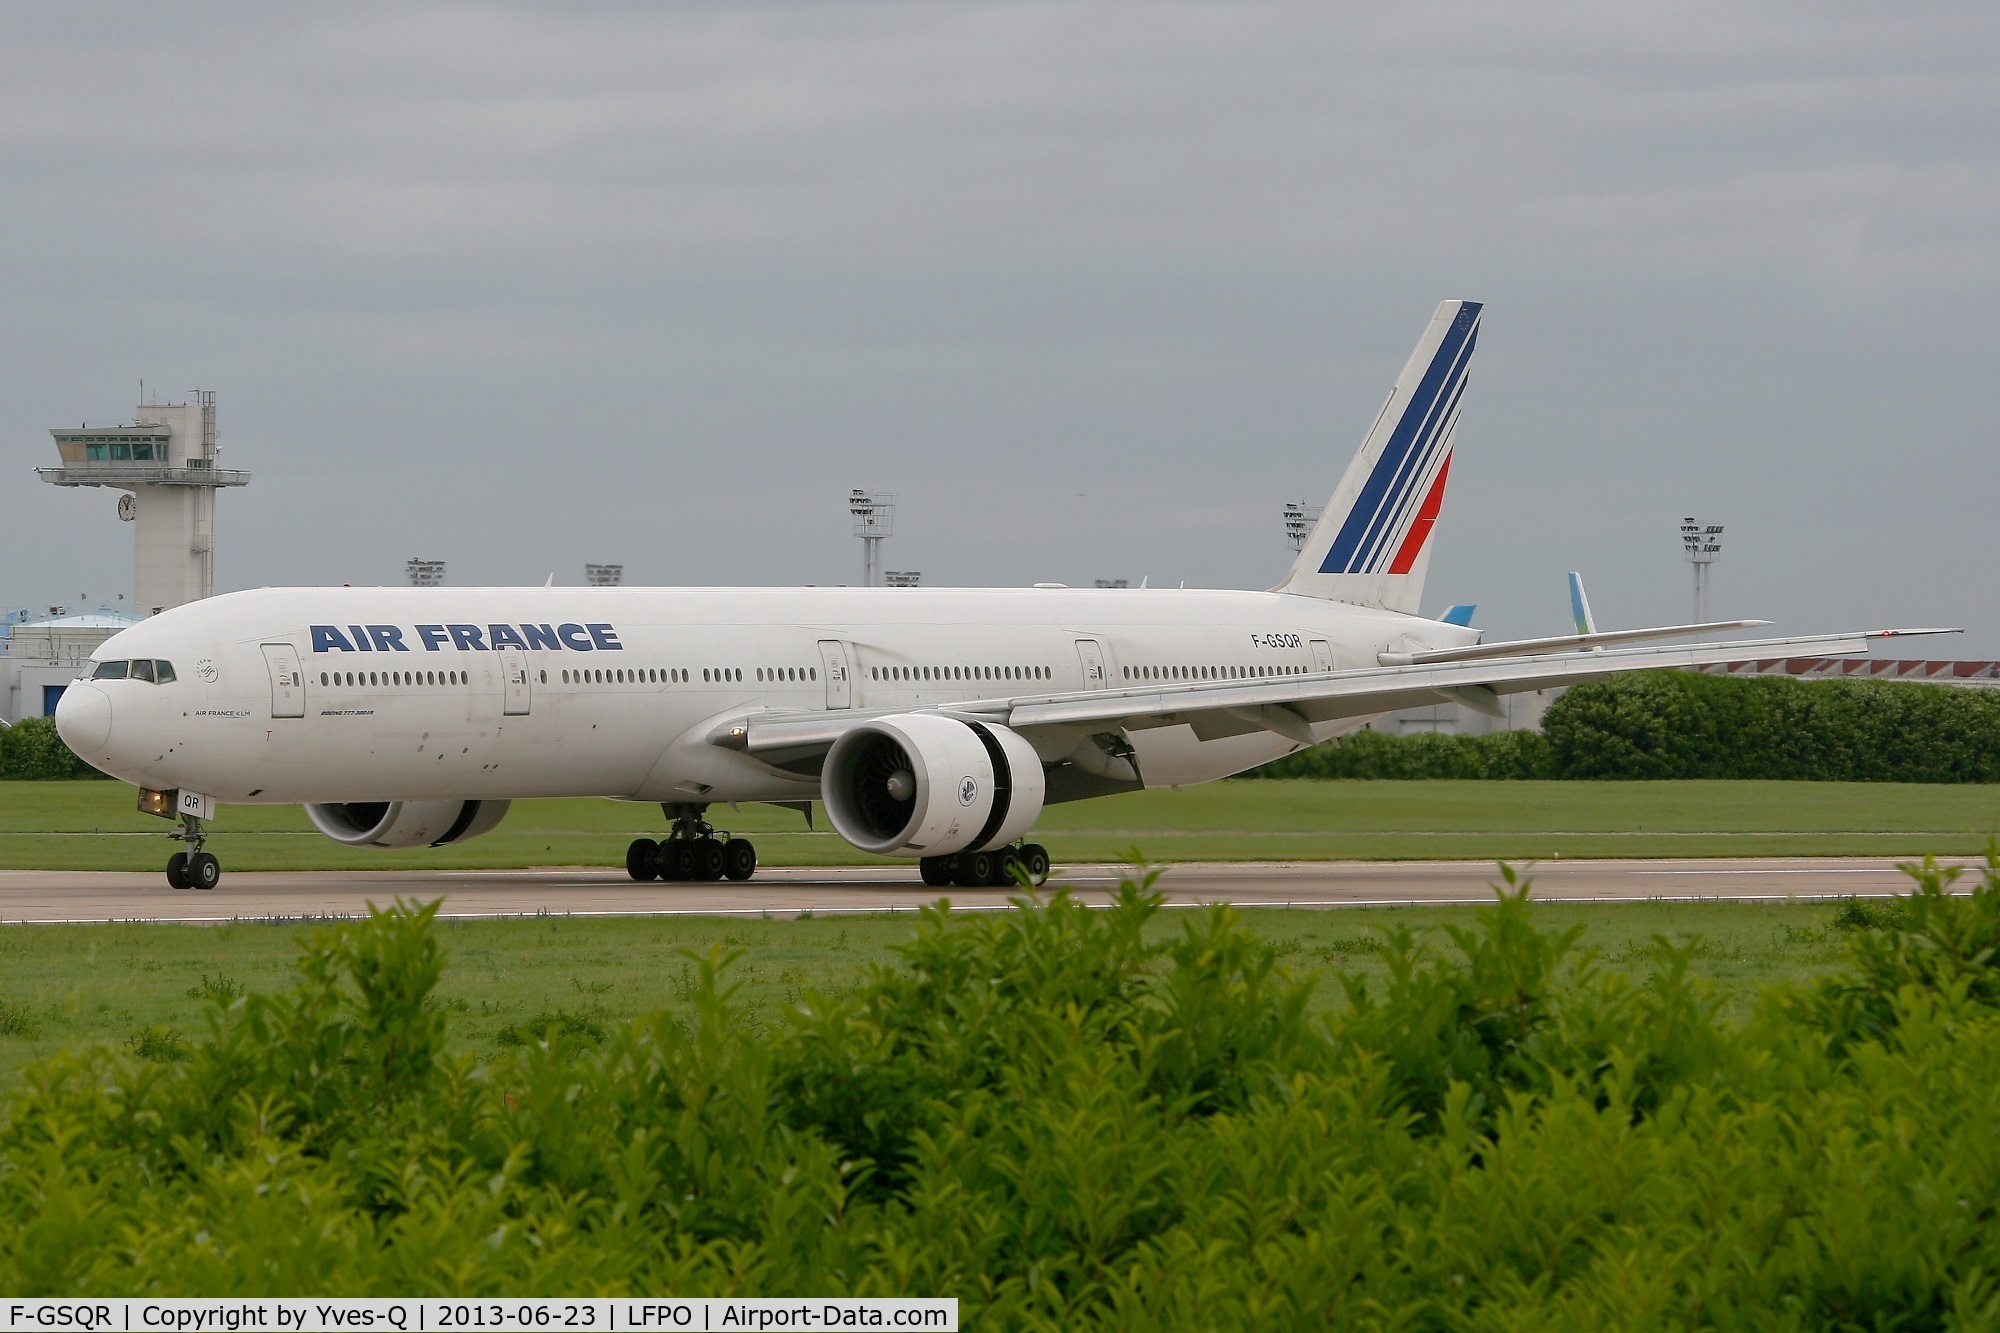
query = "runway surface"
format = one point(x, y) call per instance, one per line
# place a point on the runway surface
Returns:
point(33, 896)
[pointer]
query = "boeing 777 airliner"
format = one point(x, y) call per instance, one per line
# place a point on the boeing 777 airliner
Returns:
point(933, 724)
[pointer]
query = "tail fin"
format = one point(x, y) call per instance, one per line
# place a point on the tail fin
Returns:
point(1579, 605)
point(1372, 545)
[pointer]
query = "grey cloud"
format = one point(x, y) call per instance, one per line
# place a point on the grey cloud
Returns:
point(1096, 287)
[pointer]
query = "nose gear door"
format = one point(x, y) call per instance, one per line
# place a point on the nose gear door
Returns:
point(288, 682)
point(839, 687)
point(519, 690)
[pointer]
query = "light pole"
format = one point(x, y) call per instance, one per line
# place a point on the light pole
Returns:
point(1702, 542)
point(874, 518)
point(1300, 518)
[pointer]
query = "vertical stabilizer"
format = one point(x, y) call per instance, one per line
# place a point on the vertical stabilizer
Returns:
point(1372, 544)
point(1579, 605)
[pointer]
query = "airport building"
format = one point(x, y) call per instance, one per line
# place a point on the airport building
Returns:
point(166, 461)
point(41, 655)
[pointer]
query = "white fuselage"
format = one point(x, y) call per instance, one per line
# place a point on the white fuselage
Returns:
point(402, 694)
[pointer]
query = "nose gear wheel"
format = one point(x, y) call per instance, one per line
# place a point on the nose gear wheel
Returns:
point(192, 868)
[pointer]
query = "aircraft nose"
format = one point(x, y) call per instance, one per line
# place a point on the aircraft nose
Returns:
point(83, 719)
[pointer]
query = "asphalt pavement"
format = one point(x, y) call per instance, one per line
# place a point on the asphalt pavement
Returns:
point(61, 896)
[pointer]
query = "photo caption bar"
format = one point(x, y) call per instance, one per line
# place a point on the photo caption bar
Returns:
point(436, 1315)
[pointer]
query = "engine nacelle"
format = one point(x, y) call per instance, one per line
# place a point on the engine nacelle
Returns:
point(917, 784)
point(405, 823)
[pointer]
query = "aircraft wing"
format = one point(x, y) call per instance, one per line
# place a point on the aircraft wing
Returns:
point(1289, 705)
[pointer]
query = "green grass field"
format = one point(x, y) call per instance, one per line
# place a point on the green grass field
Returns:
point(93, 825)
point(127, 984)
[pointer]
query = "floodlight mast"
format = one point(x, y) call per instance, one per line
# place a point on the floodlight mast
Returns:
point(874, 518)
point(1300, 519)
point(1702, 543)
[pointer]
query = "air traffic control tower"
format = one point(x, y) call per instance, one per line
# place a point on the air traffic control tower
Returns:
point(166, 461)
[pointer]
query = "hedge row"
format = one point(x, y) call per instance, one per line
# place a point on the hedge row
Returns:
point(1683, 724)
point(1075, 1119)
point(31, 749)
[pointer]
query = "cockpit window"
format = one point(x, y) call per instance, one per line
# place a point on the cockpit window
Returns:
point(144, 668)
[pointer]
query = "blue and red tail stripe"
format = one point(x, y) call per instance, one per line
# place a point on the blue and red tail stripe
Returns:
point(1399, 502)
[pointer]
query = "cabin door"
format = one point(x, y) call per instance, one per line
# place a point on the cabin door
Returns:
point(839, 687)
point(1091, 655)
point(1322, 655)
point(520, 691)
point(288, 682)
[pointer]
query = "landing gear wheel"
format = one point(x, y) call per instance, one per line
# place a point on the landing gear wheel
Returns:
point(1034, 858)
point(204, 871)
point(936, 870)
point(177, 871)
point(1004, 861)
point(975, 870)
point(676, 860)
point(708, 859)
point(739, 859)
point(642, 859)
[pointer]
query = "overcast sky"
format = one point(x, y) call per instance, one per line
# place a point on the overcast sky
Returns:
point(1095, 287)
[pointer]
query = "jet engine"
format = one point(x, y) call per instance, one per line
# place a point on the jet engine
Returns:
point(917, 784)
point(405, 823)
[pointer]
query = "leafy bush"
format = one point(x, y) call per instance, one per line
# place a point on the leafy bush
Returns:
point(31, 749)
point(1378, 755)
point(1686, 724)
point(1071, 1118)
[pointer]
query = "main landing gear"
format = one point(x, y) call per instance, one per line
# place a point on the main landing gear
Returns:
point(193, 868)
point(986, 870)
point(693, 851)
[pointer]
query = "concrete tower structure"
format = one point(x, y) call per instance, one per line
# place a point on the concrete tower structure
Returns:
point(166, 460)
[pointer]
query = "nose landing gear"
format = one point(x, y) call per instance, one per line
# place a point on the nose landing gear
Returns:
point(694, 850)
point(193, 868)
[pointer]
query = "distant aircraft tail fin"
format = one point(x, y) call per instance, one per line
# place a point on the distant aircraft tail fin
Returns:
point(1460, 614)
point(1579, 605)
point(1372, 544)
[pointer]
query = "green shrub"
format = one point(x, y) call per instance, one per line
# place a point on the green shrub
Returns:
point(31, 749)
point(1069, 1118)
point(1378, 755)
point(1686, 724)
